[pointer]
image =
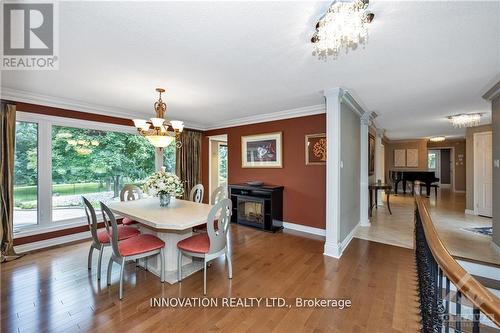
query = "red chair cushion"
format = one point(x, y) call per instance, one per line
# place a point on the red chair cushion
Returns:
point(140, 244)
point(128, 221)
point(198, 243)
point(123, 233)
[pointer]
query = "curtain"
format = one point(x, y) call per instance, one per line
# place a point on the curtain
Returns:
point(7, 141)
point(188, 160)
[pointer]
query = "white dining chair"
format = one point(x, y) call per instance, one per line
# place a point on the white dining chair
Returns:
point(138, 247)
point(209, 245)
point(218, 194)
point(196, 194)
point(130, 192)
point(101, 238)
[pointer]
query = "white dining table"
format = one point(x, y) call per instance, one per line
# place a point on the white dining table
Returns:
point(171, 224)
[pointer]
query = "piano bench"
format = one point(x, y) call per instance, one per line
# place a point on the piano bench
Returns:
point(433, 186)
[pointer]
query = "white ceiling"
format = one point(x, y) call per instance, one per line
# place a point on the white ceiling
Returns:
point(221, 61)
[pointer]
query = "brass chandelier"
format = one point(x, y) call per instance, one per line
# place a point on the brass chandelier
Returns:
point(157, 130)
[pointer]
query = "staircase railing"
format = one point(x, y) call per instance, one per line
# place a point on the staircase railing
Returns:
point(445, 287)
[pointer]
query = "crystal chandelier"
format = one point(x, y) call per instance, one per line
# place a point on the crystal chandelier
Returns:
point(465, 120)
point(156, 130)
point(437, 139)
point(344, 26)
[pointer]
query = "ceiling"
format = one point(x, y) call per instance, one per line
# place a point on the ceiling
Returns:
point(222, 61)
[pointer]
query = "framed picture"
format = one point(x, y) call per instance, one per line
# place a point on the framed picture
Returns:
point(315, 149)
point(399, 157)
point(262, 151)
point(412, 158)
point(371, 154)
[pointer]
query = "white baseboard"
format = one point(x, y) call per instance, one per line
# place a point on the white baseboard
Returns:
point(304, 228)
point(51, 242)
point(345, 243)
point(336, 250)
point(332, 250)
point(469, 212)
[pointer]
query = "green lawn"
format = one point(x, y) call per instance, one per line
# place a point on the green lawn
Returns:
point(28, 193)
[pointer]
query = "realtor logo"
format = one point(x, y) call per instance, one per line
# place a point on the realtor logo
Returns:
point(29, 36)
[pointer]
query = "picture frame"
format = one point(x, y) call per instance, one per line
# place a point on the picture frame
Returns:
point(412, 158)
point(371, 154)
point(262, 150)
point(315, 149)
point(400, 158)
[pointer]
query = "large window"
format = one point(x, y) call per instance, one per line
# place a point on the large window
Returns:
point(169, 157)
point(26, 175)
point(58, 160)
point(96, 164)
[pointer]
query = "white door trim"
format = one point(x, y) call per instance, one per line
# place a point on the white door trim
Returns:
point(218, 138)
point(476, 187)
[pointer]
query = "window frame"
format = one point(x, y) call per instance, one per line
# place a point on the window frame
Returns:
point(44, 167)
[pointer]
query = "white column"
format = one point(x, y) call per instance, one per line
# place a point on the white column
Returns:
point(363, 177)
point(333, 128)
point(379, 172)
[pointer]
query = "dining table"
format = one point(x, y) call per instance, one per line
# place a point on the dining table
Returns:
point(171, 224)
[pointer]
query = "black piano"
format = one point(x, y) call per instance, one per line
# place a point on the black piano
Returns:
point(427, 177)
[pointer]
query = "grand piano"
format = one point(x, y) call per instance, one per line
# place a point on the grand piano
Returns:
point(427, 177)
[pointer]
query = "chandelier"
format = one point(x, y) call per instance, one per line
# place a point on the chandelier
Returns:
point(437, 139)
point(157, 130)
point(465, 120)
point(344, 26)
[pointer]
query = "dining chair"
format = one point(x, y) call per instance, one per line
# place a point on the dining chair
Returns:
point(211, 244)
point(196, 194)
point(218, 194)
point(130, 192)
point(101, 238)
point(138, 247)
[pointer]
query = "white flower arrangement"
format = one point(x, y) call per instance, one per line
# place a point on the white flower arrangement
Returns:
point(164, 183)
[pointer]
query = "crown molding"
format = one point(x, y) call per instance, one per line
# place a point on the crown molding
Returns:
point(23, 96)
point(493, 92)
point(261, 118)
point(16, 95)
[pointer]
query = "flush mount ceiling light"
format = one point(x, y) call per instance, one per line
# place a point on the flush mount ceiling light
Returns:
point(156, 130)
point(344, 26)
point(465, 120)
point(437, 139)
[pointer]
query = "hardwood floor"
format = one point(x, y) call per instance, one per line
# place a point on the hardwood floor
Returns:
point(447, 212)
point(52, 290)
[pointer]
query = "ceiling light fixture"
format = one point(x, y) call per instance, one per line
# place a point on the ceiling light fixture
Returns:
point(465, 120)
point(437, 139)
point(344, 26)
point(156, 130)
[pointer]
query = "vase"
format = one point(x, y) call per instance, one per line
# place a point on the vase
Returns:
point(164, 200)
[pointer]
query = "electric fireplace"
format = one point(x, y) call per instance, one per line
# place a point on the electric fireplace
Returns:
point(257, 206)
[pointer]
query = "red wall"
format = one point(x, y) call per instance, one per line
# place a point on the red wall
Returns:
point(305, 186)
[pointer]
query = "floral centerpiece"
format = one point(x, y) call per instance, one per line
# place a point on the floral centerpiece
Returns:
point(164, 185)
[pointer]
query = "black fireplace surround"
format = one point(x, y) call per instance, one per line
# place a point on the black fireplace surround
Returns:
point(257, 206)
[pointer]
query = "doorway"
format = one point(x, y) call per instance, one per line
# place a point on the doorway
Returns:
point(442, 162)
point(483, 174)
point(218, 163)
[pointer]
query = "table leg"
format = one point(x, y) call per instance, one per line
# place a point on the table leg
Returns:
point(376, 199)
point(428, 188)
point(388, 194)
point(404, 186)
point(171, 238)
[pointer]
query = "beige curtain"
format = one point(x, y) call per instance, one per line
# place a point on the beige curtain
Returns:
point(188, 160)
point(7, 145)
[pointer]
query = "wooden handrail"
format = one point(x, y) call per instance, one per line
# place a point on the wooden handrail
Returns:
point(482, 298)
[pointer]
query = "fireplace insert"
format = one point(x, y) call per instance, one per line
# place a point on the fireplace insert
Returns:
point(257, 206)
